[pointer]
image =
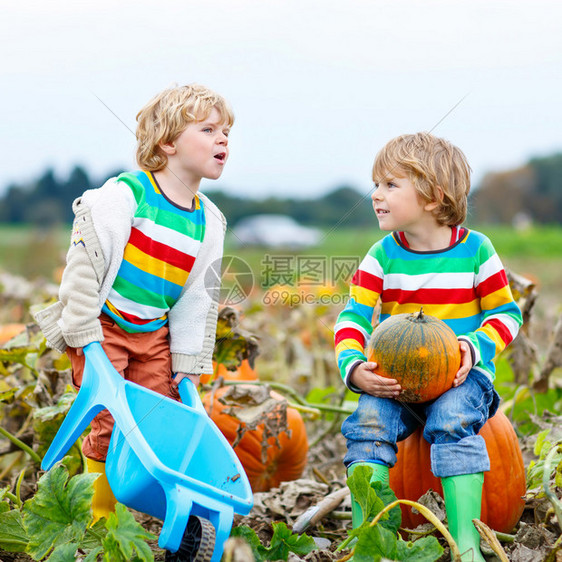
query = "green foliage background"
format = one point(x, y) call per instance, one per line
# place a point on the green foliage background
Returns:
point(531, 190)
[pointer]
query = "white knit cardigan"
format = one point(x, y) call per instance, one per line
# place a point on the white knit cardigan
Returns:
point(101, 230)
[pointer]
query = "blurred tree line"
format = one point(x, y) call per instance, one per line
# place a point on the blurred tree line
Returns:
point(532, 192)
point(48, 201)
point(325, 210)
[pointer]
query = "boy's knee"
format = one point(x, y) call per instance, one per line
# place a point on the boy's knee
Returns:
point(467, 456)
point(370, 451)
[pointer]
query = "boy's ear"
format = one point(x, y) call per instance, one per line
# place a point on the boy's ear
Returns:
point(168, 148)
point(432, 206)
point(438, 201)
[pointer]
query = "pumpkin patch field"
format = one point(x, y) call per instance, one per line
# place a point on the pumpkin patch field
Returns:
point(277, 397)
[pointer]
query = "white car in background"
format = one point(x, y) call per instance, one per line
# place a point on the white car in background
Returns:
point(274, 231)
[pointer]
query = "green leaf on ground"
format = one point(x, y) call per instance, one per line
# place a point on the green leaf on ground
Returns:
point(59, 409)
point(558, 474)
point(8, 395)
point(64, 553)
point(540, 442)
point(426, 549)
point(381, 541)
point(249, 535)
point(282, 543)
point(94, 535)
point(125, 536)
point(93, 554)
point(393, 518)
point(373, 497)
point(26, 356)
point(359, 484)
point(5, 499)
point(46, 423)
point(375, 543)
point(60, 511)
point(13, 536)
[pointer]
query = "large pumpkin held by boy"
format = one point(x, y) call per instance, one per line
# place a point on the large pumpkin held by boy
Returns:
point(418, 350)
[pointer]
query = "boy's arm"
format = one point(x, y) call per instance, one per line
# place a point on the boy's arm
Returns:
point(101, 229)
point(73, 320)
point(354, 324)
point(81, 281)
point(193, 319)
point(103, 221)
point(501, 317)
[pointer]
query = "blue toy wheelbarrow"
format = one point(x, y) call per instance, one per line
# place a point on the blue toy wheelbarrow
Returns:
point(167, 459)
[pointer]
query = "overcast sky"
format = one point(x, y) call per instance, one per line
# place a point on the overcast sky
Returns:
point(317, 86)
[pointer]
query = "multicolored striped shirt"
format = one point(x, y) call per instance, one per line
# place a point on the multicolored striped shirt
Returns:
point(465, 285)
point(158, 257)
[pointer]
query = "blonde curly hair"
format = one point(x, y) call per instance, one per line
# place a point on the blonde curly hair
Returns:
point(167, 115)
point(438, 169)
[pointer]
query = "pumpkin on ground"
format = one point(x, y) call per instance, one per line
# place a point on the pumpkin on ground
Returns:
point(244, 372)
point(418, 350)
point(283, 462)
point(504, 484)
point(9, 331)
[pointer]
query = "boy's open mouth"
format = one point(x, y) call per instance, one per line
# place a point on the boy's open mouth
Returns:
point(220, 156)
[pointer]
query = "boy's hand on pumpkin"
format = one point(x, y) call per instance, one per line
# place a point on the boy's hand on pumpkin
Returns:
point(364, 377)
point(466, 364)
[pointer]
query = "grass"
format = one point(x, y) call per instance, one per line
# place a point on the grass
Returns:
point(538, 242)
point(32, 252)
point(537, 252)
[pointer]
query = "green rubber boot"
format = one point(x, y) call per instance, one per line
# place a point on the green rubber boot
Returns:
point(463, 503)
point(380, 474)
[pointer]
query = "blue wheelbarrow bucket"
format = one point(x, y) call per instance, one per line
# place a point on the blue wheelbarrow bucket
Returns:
point(167, 459)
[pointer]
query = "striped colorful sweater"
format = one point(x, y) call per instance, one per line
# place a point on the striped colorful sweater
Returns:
point(464, 285)
point(158, 257)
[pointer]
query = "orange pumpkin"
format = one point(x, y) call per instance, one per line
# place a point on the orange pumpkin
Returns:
point(9, 331)
point(245, 372)
point(420, 351)
point(504, 484)
point(283, 463)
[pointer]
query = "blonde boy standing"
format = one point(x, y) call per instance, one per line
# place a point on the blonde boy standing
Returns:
point(421, 189)
point(140, 248)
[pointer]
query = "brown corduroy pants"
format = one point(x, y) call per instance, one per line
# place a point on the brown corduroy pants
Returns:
point(143, 358)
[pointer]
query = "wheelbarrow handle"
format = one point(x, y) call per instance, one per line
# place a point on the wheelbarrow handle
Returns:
point(189, 395)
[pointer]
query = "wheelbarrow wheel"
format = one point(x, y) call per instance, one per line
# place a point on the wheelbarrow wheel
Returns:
point(197, 543)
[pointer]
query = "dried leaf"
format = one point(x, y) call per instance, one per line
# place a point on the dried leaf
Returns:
point(233, 344)
point(490, 537)
point(254, 407)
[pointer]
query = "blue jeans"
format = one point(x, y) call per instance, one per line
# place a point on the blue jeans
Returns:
point(452, 423)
